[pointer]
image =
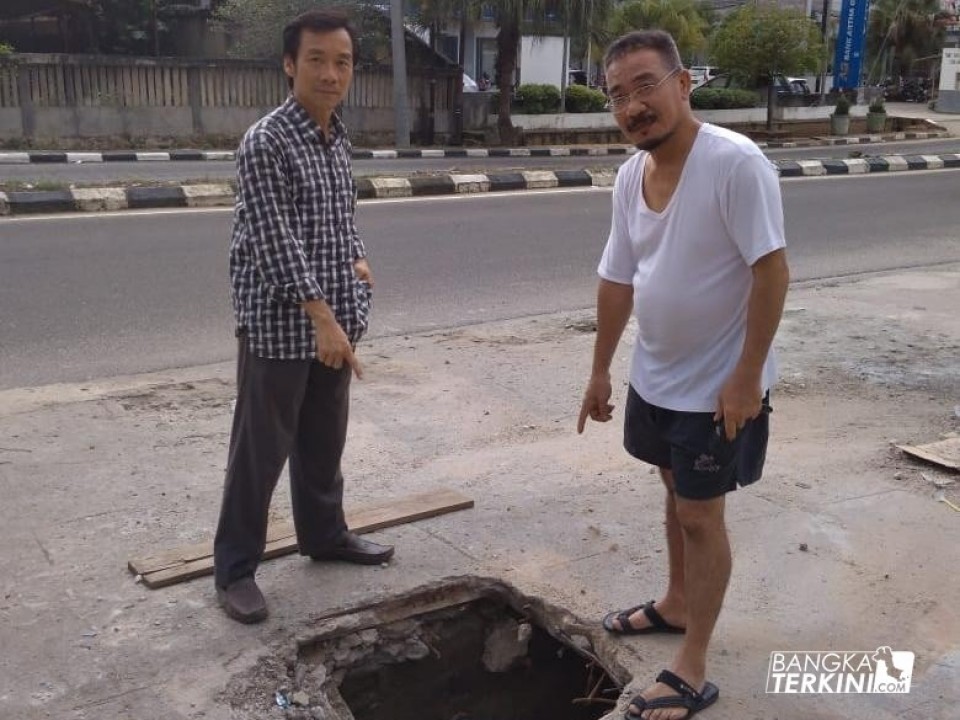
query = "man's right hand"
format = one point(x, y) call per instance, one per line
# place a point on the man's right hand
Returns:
point(334, 350)
point(596, 402)
point(333, 346)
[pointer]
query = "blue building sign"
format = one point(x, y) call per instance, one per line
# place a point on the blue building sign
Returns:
point(851, 34)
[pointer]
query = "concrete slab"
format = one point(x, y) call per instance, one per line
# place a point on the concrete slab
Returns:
point(209, 194)
point(100, 199)
point(94, 473)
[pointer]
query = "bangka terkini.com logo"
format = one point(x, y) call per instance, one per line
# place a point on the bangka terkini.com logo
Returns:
point(840, 671)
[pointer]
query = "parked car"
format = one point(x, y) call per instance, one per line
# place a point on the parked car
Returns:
point(702, 73)
point(799, 86)
point(790, 90)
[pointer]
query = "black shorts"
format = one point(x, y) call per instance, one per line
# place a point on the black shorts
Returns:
point(695, 447)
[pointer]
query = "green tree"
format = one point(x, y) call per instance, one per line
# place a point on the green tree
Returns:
point(256, 26)
point(516, 18)
point(900, 32)
point(592, 31)
point(509, 16)
point(133, 27)
point(683, 19)
point(757, 42)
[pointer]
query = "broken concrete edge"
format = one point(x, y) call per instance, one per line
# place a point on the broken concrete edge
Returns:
point(451, 183)
point(56, 157)
point(313, 655)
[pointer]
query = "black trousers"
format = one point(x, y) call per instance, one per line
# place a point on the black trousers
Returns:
point(286, 409)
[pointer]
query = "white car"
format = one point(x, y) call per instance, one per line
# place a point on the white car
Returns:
point(701, 73)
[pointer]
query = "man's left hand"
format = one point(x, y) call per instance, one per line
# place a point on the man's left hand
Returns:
point(740, 400)
point(362, 268)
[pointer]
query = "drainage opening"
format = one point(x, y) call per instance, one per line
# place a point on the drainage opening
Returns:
point(480, 660)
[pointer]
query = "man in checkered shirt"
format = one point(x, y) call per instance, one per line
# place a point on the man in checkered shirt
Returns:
point(301, 296)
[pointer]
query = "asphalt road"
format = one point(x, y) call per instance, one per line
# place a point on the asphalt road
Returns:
point(182, 171)
point(89, 296)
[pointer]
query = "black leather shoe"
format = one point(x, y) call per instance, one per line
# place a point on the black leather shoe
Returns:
point(354, 549)
point(243, 601)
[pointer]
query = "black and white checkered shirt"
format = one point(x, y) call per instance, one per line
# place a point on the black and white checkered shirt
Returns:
point(294, 236)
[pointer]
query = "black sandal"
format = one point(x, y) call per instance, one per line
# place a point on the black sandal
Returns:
point(686, 697)
point(657, 623)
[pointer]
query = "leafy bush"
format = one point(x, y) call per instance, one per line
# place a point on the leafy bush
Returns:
point(877, 105)
point(843, 106)
point(6, 49)
point(538, 98)
point(581, 99)
point(722, 99)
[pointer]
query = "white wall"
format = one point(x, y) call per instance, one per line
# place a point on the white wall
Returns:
point(541, 60)
point(475, 31)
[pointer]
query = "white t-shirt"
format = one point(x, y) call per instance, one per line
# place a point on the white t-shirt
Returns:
point(690, 266)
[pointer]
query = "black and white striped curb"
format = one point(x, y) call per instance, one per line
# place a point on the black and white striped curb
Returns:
point(27, 158)
point(855, 140)
point(860, 166)
point(219, 195)
point(50, 157)
point(41, 157)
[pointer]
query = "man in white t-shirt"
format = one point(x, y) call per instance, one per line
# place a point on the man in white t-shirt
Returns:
point(696, 253)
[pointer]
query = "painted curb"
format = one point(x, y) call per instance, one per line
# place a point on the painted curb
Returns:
point(51, 157)
point(41, 202)
point(377, 188)
point(142, 198)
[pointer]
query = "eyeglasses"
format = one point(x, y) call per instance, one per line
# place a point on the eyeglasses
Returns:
point(619, 103)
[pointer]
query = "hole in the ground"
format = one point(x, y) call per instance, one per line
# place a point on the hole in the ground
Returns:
point(479, 656)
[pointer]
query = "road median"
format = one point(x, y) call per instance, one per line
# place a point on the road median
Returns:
point(47, 157)
point(206, 194)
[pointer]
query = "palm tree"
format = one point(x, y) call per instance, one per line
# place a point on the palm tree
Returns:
point(515, 18)
point(900, 32)
point(683, 19)
point(509, 16)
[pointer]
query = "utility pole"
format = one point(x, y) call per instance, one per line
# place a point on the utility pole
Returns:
point(401, 111)
point(822, 78)
point(566, 53)
point(587, 64)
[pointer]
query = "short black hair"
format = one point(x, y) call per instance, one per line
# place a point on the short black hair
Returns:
point(658, 40)
point(321, 20)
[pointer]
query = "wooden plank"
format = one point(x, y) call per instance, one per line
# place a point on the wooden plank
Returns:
point(410, 509)
point(193, 561)
point(945, 452)
point(197, 551)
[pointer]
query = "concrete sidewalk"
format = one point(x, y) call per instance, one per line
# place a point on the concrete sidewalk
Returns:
point(840, 547)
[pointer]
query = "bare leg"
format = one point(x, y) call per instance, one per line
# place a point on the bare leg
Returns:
point(707, 563)
point(672, 606)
